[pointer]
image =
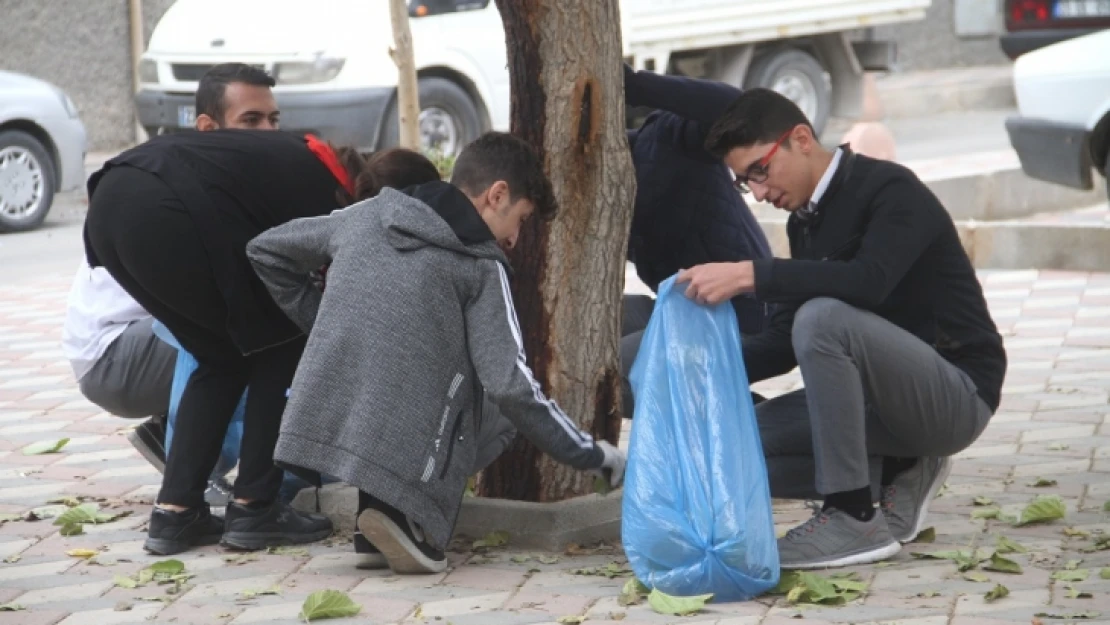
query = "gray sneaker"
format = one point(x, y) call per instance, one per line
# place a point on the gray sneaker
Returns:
point(905, 503)
point(833, 538)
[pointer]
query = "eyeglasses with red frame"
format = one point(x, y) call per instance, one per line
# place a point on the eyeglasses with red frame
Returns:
point(757, 171)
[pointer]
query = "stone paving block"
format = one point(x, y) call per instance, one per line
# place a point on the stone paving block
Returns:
point(11, 575)
point(385, 609)
point(485, 578)
point(179, 613)
point(1027, 601)
point(548, 606)
point(32, 617)
point(465, 605)
point(304, 584)
point(109, 616)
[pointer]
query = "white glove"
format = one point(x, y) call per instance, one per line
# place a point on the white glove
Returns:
point(612, 464)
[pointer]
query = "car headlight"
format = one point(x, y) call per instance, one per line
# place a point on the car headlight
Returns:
point(148, 71)
point(305, 72)
point(67, 103)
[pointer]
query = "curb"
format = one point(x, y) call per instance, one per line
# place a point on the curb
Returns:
point(921, 93)
point(543, 526)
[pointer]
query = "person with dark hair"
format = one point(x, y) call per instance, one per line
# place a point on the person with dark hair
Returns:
point(119, 363)
point(236, 95)
point(880, 308)
point(687, 211)
point(170, 220)
point(415, 374)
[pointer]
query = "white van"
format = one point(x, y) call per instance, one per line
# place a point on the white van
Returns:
point(335, 77)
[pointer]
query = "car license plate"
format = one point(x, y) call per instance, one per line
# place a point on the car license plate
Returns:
point(186, 116)
point(1072, 9)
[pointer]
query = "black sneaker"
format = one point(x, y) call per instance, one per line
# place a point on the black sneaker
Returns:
point(400, 540)
point(274, 525)
point(172, 532)
point(369, 558)
point(149, 438)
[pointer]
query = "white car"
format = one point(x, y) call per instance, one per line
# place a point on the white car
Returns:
point(42, 149)
point(1062, 131)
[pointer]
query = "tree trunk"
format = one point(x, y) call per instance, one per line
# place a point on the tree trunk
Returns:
point(408, 96)
point(565, 68)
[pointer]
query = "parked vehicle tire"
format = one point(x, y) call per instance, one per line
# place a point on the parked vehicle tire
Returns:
point(27, 181)
point(798, 76)
point(449, 119)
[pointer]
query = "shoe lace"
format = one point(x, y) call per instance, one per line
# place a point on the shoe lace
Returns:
point(817, 519)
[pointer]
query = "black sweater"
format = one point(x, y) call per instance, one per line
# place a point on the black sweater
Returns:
point(881, 241)
point(236, 184)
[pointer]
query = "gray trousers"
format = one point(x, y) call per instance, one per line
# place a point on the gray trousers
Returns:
point(872, 390)
point(134, 376)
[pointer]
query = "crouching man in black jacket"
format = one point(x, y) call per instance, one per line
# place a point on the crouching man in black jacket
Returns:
point(879, 307)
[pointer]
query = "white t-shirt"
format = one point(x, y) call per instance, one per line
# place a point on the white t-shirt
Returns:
point(97, 312)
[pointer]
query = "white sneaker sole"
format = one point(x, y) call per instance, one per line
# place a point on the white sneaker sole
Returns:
point(403, 556)
point(934, 488)
point(866, 557)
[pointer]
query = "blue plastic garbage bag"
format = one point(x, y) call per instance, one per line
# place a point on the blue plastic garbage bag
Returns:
point(697, 507)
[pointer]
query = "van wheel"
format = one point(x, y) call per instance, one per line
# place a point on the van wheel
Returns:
point(798, 76)
point(448, 118)
point(27, 182)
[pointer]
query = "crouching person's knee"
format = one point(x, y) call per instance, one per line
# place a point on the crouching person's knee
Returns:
point(819, 320)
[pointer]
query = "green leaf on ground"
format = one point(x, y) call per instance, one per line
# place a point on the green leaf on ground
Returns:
point(1005, 545)
point(663, 603)
point(996, 593)
point(965, 559)
point(493, 539)
point(985, 513)
point(1071, 531)
point(125, 582)
point(1002, 565)
point(84, 554)
point(1075, 593)
point(521, 559)
point(44, 512)
point(602, 486)
point(45, 447)
point(547, 559)
point(1076, 575)
point(167, 568)
point(4, 518)
point(927, 535)
point(974, 576)
point(1042, 482)
point(633, 593)
point(1106, 507)
point(802, 587)
point(1042, 510)
point(11, 607)
point(1071, 565)
point(69, 502)
point(611, 570)
point(1069, 615)
point(982, 501)
point(1104, 573)
point(570, 620)
point(84, 513)
point(72, 529)
point(324, 604)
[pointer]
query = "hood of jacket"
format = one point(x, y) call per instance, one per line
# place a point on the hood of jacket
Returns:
point(437, 214)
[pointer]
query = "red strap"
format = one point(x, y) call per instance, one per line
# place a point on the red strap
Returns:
point(327, 156)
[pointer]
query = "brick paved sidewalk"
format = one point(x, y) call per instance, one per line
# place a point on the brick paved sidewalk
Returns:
point(1053, 423)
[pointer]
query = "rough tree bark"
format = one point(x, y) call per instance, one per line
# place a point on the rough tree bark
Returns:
point(408, 95)
point(565, 67)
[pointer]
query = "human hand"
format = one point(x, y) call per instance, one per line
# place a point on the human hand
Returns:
point(612, 464)
point(713, 283)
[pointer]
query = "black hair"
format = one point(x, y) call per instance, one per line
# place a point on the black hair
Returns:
point(757, 116)
point(213, 85)
point(498, 156)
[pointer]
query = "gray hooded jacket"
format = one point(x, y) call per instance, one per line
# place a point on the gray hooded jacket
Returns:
point(413, 324)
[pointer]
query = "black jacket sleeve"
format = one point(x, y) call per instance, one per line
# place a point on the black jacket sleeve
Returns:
point(699, 102)
point(904, 222)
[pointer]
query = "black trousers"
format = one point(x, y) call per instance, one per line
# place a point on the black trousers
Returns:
point(145, 238)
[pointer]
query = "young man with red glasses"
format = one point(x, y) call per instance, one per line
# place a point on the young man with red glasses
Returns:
point(880, 308)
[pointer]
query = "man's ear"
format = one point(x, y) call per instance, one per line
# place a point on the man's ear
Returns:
point(803, 138)
point(498, 193)
point(205, 123)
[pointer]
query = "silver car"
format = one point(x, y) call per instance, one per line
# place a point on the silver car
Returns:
point(42, 149)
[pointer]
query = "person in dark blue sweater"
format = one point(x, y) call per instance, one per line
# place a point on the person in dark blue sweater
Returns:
point(880, 308)
point(687, 211)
